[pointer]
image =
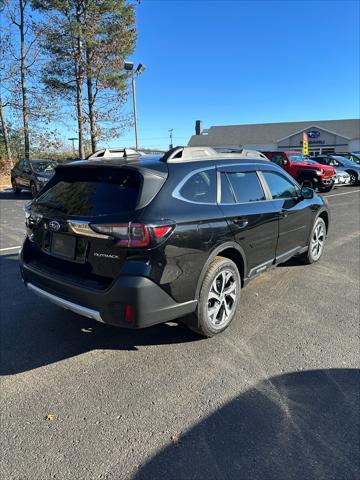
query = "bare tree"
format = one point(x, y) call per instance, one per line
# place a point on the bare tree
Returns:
point(21, 89)
point(16, 13)
point(5, 134)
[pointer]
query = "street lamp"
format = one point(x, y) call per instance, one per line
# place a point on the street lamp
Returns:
point(129, 66)
point(171, 138)
point(73, 144)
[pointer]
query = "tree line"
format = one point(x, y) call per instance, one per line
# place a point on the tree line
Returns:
point(63, 58)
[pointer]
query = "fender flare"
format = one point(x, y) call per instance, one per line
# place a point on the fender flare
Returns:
point(217, 251)
point(318, 214)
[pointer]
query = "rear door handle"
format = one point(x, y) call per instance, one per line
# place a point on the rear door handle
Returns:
point(241, 222)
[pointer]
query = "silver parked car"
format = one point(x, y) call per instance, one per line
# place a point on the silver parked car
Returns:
point(341, 176)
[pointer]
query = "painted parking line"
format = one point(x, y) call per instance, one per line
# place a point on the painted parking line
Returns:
point(10, 248)
point(343, 193)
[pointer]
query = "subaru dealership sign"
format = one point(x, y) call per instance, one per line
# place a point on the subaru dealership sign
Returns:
point(313, 134)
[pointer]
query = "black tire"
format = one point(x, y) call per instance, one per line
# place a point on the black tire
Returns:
point(203, 324)
point(33, 189)
point(308, 182)
point(15, 188)
point(326, 189)
point(309, 256)
point(353, 177)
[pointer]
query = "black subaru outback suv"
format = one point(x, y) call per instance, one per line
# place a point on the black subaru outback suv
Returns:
point(138, 242)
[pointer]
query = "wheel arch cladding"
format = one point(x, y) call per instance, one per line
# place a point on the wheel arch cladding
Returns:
point(324, 215)
point(231, 251)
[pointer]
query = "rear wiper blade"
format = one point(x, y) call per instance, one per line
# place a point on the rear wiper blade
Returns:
point(53, 205)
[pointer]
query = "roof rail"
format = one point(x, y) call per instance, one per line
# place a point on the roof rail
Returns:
point(188, 154)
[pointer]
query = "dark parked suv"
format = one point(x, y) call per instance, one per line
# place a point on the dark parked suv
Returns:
point(138, 242)
point(31, 175)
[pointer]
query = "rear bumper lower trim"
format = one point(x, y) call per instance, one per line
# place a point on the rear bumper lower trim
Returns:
point(74, 307)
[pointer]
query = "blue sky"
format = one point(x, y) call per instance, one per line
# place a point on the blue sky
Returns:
point(233, 62)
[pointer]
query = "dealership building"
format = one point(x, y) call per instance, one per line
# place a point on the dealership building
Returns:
point(325, 136)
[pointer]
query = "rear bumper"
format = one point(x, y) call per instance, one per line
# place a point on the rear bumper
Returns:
point(150, 303)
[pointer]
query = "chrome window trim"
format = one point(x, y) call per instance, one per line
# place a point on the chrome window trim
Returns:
point(176, 192)
point(244, 203)
point(219, 170)
point(290, 180)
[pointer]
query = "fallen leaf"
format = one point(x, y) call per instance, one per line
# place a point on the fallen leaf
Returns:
point(175, 439)
point(50, 417)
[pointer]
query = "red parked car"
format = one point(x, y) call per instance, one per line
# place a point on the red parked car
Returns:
point(316, 176)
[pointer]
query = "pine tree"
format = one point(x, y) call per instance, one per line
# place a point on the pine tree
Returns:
point(87, 41)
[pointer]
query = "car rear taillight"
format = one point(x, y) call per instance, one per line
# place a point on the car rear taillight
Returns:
point(136, 235)
point(161, 231)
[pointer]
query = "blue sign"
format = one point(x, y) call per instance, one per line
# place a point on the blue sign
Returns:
point(313, 134)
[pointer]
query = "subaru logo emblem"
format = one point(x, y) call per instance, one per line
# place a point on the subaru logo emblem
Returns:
point(313, 134)
point(54, 226)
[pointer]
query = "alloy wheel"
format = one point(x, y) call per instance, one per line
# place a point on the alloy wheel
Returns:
point(352, 179)
point(317, 241)
point(221, 299)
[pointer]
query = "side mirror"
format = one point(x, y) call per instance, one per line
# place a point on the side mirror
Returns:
point(285, 162)
point(307, 193)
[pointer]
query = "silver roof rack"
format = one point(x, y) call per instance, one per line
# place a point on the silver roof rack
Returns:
point(190, 154)
point(107, 153)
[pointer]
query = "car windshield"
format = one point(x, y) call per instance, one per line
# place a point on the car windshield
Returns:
point(342, 161)
point(354, 158)
point(296, 157)
point(43, 167)
point(309, 160)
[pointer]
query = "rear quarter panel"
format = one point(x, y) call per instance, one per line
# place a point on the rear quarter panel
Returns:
point(177, 264)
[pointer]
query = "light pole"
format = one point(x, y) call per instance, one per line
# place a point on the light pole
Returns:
point(129, 66)
point(171, 138)
point(73, 144)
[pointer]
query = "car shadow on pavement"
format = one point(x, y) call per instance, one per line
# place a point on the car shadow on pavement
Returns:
point(301, 425)
point(292, 262)
point(34, 332)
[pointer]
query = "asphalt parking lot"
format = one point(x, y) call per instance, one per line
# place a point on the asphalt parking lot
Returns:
point(276, 396)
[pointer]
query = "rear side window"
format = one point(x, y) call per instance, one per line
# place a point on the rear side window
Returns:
point(200, 187)
point(279, 186)
point(227, 195)
point(246, 187)
point(90, 192)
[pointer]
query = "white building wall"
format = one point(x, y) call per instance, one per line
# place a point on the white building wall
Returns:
point(354, 145)
point(266, 147)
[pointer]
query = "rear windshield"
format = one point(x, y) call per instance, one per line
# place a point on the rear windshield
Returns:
point(40, 167)
point(86, 192)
